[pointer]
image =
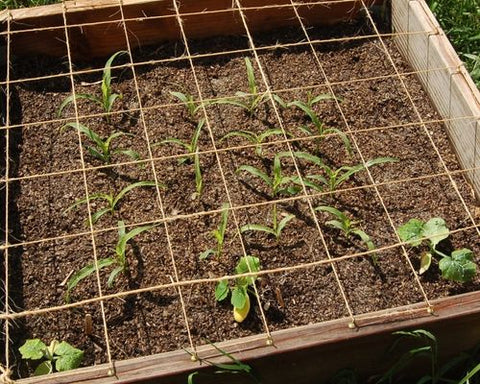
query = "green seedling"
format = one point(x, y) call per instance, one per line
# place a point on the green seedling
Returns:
point(190, 104)
point(58, 356)
point(191, 148)
point(319, 129)
point(198, 175)
point(111, 199)
point(239, 292)
point(276, 228)
point(103, 151)
point(249, 102)
point(218, 234)
point(119, 259)
point(348, 227)
point(459, 266)
point(108, 98)
point(334, 178)
point(254, 138)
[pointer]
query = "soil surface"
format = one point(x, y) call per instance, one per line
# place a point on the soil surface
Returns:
point(52, 242)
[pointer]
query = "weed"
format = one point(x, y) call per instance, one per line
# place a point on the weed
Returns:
point(254, 138)
point(239, 292)
point(218, 234)
point(119, 259)
point(103, 151)
point(459, 266)
point(108, 98)
point(250, 101)
point(334, 178)
point(348, 227)
point(58, 356)
point(111, 199)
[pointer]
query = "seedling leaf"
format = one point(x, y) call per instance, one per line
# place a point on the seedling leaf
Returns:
point(459, 266)
point(411, 232)
point(425, 262)
point(68, 357)
point(32, 349)
point(283, 223)
point(258, 227)
point(44, 368)
point(238, 298)
point(435, 230)
point(256, 172)
point(206, 253)
point(221, 290)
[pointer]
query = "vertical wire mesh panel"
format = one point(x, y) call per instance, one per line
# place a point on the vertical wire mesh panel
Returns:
point(164, 122)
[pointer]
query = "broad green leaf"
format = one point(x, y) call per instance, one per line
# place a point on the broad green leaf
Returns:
point(238, 298)
point(258, 227)
point(221, 290)
point(107, 72)
point(44, 368)
point(425, 262)
point(245, 265)
point(435, 230)
point(68, 357)
point(206, 253)
point(32, 349)
point(411, 232)
point(256, 172)
point(459, 266)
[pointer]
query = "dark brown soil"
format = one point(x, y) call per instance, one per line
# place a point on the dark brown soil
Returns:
point(51, 243)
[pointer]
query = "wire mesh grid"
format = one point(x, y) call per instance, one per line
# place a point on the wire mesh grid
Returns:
point(177, 281)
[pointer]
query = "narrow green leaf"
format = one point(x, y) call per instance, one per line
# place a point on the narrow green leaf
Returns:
point(198, 175)
point(129, 187)
point(114, 274)
point(283, 223)
point(279, 101)
point(334, 211)
point(309, 157)
point(321, 97)
point(206, 253)
point(124, 239)
point(68, 100)
point(258, 227)
point(338, 225)
point(134, 155)
point(196, 135)
point(174, 141)
point(307, 110)
point(97, 215)
point(250, 136)
point(87, 271)
point(252, 85)
point(268, 133)
point(256, 172)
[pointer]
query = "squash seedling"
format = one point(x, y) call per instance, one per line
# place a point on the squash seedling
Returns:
point(335, 177)
point(111, 199)
point(119, 259)
point(218, 234)
point(459, 266)
point(278, 185)
point(253, 138)
point(108, 98)
point(58, 356)
point(103, 150)
point(348, 227)
point(249, 102)
point(239, 292)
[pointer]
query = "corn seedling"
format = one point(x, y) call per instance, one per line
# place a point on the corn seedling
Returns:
point(58, 356)
point(459, 266)
point(334, 178)
point(276, 228)
point(218, 234)
point(254, 138)
point(103, 151)
point(235, 366)
point(119, 259)
point(239, 292)
point(111, 199)
point(190, 104)
point(191, 147)
point(319, 129)
point(250, 101)
point(108, 98)
point(348, 227)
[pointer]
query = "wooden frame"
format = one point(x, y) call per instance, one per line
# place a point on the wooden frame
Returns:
point(317, 350)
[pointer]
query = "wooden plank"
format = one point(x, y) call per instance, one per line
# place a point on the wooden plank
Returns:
point(150, 21)
point(451, 89)
point(317, 351)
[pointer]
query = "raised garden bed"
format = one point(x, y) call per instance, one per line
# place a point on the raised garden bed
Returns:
point(314, 280)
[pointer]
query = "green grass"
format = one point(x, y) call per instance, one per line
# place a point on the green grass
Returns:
point(460, 20)
point(12, 4)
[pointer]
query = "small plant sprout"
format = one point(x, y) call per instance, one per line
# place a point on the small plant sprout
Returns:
point(108, 97)
point(190, 104)
point(254, 138)
point(239, 292)
point(319, 129)
point(334, 178)
point(102, 149)
point(218, 234)
point(249, 102)
point(191, 148)
point(111, 199)
point(459, 266)
point(58, 356)
point(278, 185)
point(348, 227)
point(119, 259)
